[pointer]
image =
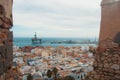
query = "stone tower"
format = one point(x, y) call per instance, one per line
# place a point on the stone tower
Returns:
point(110, 23)
point(6, 37)
point(107, 58)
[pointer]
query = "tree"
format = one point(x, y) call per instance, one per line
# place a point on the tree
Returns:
point(69, 78)
point(55, 71)
point(49, 73)
point(29, 77)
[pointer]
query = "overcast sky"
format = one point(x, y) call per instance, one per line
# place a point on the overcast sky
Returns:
point(56, 18)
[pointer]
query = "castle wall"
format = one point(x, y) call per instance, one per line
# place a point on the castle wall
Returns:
point(110, 22)
point(107, 57)
point(107, 65)
point(6, 36)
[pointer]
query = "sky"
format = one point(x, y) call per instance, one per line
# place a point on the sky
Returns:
point(56, 18)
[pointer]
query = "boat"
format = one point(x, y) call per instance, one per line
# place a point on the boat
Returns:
point(35, 40)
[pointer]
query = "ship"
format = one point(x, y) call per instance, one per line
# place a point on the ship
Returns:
point(36, 40)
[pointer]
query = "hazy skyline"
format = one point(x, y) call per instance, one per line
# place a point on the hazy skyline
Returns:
point(56, 18)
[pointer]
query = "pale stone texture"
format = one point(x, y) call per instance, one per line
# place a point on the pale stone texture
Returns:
point(115, 66)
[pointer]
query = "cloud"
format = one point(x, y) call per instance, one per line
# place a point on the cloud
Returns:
point(50, 18)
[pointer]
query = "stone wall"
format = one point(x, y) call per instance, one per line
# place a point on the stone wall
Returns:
point(107, 57)
point(107, 65)
point(6, 36)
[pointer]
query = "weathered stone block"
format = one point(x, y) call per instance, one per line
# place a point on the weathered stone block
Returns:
point(106, 65)
point(115, 66)
point(97, 77)
point(117, 77)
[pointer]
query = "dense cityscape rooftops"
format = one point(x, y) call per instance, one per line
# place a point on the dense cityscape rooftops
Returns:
point(69, 61)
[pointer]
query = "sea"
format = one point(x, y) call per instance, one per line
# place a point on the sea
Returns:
point(21, 42)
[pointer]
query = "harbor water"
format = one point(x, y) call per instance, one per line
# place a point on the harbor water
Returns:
point(54, 42)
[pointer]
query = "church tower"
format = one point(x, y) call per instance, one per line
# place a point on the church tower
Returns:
point(110, 23)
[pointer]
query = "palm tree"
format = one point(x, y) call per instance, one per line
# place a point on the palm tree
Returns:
point(49, 73)
point(55, 71)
